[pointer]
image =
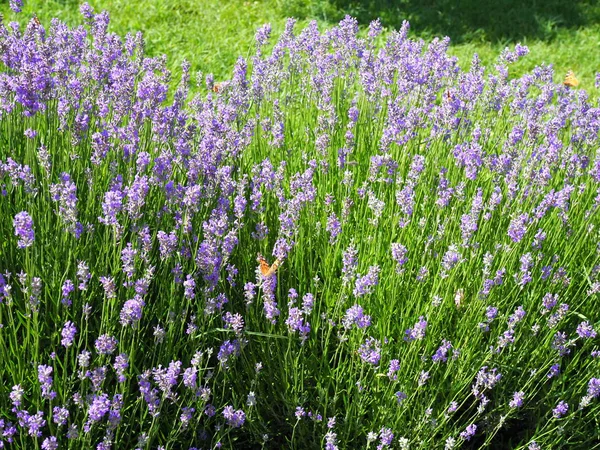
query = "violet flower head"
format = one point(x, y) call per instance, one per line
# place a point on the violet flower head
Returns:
point(469, 432)
point(60, 415)
point(554, 371)
point(350, 263)
point(517, 400)
point(417, 332)
point(518, 227)
point(67, 288)
point(23, 224)
point(45, 379)
point(121, 365)
point(561, 409)
point(441, 354)
point(370, 351)
point(355, 316)
point(16, 6)
point(586, 331)
point(68, 334)
point(399, 255)
point(394, 367)
point(234, 418)
point(50, 443)
point(364, 284)
point(593, 387)
point(106, 344)
point(385, 437)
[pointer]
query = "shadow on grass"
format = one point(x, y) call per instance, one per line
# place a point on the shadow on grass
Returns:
point(461, 20)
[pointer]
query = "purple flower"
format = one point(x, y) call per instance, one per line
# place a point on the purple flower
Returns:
point(68, 334)
point(365, 284)
point(554, 371)
point(400, 396)
point(33, 423)
point(23, 224)
point(167, 243)
point(106, 344)
point(45, 379)
point(333, 227)
point(166, 378)
point(121, 364)
point(83, 275)
point(262, 35)
point(394, 367)
point(16, 6)
point(517, 400)
point(50, 443)
point(99, 407)
point(356, 316)
point(451, 258)
point(370, 351)
point(67, 288)
point(350, 263)
point(108, 284)
point(417, 332)
point(485, 380)
point(234, 321)
point(441, 354)
point(16, 395)
point(132, 311)
point(233, 418)
point(549, 301)
point(560, 410)
point(308, 301)
point(295, 323)
point(112, 205)
point(469, 432)
point(385, 437)
point(593, 387)
point(60, 415)
point(186, 416)
point(399, 255)
point(227, 349)
point(516, 317)
point(586, 331)
point(518, 227)
point(490, 313)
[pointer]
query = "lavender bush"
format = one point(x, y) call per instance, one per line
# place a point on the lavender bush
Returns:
point(436, 233)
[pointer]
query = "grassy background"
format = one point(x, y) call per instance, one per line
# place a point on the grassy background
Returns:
point(211, 34)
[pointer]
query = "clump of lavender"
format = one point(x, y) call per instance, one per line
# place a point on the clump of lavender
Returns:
point(329, 146)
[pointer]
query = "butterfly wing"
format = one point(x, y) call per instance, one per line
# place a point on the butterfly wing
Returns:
point(273, 267)
point(263, 265)
point(265, 269)
point(571, 80)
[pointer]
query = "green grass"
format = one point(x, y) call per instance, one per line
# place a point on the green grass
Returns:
point(211, 34)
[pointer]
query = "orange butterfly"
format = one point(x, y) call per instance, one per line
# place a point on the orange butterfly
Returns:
point(265, 269)
point(570, 80)
point(220, 86)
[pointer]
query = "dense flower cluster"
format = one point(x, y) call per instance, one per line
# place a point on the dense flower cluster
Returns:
point(432, 233)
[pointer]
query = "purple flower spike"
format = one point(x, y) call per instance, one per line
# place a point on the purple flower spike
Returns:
point(23, 224)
